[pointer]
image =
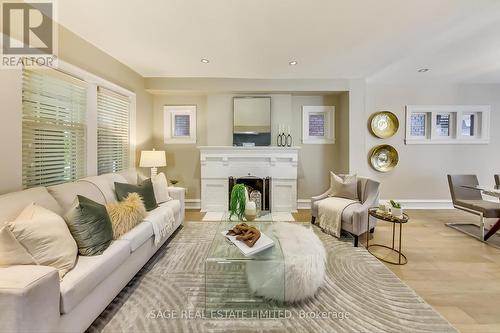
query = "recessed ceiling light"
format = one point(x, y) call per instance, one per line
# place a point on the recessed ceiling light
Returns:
point(293, 63)
point(423, 70)
point(205, 61)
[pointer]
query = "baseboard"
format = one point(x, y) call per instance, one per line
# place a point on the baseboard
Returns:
point(406, 203)
point(304, 204)
point(421, 204)
point(192, 203)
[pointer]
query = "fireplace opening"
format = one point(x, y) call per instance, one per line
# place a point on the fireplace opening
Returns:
point(259, 190)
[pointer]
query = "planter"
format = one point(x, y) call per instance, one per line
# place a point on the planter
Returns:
point(398, 212)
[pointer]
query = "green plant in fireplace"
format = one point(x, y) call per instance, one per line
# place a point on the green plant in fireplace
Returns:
point(238, 202)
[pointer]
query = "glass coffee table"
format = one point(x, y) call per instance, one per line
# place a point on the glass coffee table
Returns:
point(227, 286)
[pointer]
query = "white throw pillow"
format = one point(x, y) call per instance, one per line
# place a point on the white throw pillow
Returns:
point(344, 186)
point(160, 187)
point(11, 252)
point(46, 237)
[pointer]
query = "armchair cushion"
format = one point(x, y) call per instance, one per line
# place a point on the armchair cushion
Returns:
point(344, 187)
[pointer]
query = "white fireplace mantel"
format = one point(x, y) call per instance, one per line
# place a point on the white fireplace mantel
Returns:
point(218, 163)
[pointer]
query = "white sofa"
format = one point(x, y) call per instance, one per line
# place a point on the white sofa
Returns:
point(32, 299)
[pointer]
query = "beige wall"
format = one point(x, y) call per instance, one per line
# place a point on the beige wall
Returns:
point(215, 123)
point(421, 173)
point(78, 52)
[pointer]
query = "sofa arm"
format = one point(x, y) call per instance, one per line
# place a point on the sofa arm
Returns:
point(29, 299)
point(178, 193)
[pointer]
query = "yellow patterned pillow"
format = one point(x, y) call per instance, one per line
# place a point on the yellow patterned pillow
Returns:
point(126, 214)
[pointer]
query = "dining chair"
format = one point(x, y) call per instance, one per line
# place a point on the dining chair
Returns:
point(470, 200)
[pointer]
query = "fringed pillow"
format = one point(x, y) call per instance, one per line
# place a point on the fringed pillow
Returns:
point(126, 214)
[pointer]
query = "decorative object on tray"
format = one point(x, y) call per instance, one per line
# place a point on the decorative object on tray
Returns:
point(238, 201)
point(256, 197)
point(174, 181)
point(384, 124)
point(250, 211)
point(284, 139)
point(245, 233)
point(396, 209)
point(389, 217)
point(248, 239)
point(384, 158)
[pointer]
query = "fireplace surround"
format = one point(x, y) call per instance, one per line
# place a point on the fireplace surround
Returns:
point(219, 163)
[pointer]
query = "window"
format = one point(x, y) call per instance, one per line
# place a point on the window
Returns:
point(180, 123)
point(113, 139)
point(449, 124)
point(54, 131)
point(318, 123)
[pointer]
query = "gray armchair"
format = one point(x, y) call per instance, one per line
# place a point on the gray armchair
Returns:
point(355, 217)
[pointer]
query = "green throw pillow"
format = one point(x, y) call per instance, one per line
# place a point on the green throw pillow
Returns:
point(90, 226)
point(145, 190)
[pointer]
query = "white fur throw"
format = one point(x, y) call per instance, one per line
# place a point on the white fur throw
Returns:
point(126, 214)
point(304, 266)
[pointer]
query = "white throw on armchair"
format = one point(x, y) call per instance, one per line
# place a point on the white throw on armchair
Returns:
point(355, 217)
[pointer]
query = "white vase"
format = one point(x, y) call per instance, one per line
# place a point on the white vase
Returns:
point(250, 210)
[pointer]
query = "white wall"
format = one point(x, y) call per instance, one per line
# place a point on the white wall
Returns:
point(421, 173)
point(10, 130)
point(215, 128)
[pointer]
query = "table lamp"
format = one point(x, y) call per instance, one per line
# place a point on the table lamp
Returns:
point(153, 159)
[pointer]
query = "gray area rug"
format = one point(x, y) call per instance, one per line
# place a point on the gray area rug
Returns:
point(359, 295)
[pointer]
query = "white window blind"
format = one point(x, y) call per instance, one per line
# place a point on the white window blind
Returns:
point(113, 143)
point(54, 130)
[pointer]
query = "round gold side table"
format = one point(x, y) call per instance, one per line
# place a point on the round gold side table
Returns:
point(402, 260)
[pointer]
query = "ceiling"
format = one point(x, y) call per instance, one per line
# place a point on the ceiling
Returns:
point(380, 40)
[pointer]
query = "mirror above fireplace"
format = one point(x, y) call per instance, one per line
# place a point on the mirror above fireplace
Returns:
point(252, 121)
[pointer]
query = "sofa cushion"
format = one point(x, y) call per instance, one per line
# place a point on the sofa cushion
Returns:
point(488, 208)
point(145, 190)
point(139, 235)
point(45, 237)
point(12, 204)
point(106, 184)
point(126, 215)
point(90, 272)
point(130, 176)
point(176, 207)
point(89, 223)
point(348, 213)
point(66, 193)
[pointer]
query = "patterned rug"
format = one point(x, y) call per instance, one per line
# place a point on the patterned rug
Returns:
point(359, 295)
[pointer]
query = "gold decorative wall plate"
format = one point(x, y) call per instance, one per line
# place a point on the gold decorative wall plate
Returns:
point(384, 124)
point(384, 158)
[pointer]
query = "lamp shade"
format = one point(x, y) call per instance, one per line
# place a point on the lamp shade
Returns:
point(152, 159)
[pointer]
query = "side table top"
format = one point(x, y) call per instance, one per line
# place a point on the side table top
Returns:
point(387, 216)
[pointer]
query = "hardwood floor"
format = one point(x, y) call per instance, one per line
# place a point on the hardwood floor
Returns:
point(456, 274)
